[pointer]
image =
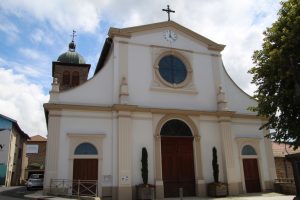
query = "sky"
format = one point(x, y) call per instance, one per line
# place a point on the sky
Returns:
point(34, 33)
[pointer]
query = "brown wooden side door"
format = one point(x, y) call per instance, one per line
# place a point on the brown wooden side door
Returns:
point(251, 175)
point(83, 170)
point(178, 166)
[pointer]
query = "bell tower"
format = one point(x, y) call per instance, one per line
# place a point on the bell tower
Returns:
point(70, 68)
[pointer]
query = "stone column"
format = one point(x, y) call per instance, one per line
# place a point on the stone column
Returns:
point(124, 155)
point(158, 169)
point(51, 166)
point(200, 183)
point(227, 154)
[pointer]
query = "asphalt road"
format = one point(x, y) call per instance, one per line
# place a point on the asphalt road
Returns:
point(13, 193)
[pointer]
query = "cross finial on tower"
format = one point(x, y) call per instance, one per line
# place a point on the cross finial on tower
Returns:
point(73, 35)
point(168, 10)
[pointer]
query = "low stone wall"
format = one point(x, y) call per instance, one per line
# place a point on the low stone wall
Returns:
point(285, 188)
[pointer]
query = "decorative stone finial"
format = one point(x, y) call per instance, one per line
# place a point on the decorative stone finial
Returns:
point(222, 103)
point(54, 90)
point(124, 91)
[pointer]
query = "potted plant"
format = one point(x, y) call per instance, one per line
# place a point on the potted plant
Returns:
point(145, 190)
point(216, 189)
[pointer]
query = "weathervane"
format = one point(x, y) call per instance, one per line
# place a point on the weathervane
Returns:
point(72, 45)
point(73, 35)
point(168, 10)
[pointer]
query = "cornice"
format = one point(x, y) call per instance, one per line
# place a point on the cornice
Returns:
point(127, 33)
point(134, 108)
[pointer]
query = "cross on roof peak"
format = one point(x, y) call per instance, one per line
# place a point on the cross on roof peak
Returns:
point(168, 10)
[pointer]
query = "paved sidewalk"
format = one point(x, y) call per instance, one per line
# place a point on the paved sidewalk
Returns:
point(256, 196)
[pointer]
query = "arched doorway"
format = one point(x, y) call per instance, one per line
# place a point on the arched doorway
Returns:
point(250, 167)
point(177, 158)
point(85, 170)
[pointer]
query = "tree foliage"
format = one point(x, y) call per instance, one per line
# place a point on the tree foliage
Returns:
point(275, 73)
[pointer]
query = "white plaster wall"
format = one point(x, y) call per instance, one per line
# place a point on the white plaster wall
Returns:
point(142, 136)
point(243, 129)
point(237, 99)
point(97, 90)
point(140, 63)
point(210, 137)
point(140, 77)
point(248, 129)
point(85, 122)
point(156, 37)
point(4, 140)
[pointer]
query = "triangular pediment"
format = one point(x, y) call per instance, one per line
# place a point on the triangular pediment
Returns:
point(127, 32)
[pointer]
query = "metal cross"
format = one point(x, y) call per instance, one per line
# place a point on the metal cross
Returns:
point(168, 10)
point(73, 35)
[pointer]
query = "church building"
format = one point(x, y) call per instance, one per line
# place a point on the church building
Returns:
point(163, 87)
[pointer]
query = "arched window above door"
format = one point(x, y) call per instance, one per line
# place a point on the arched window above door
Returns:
point(248, 150)
point(85, 149)
point(175, 127)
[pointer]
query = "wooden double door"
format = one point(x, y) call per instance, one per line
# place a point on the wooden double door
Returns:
point(251, 174)
point(85, 170)
point(178, 166)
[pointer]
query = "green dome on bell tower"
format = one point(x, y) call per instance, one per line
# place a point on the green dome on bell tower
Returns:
point(71, 56)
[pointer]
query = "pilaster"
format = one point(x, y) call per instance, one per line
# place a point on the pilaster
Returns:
point(123, 60)
point(51, 166)
point(200, 183)
point(270, 158)
point(124, 155)
point(227, 153)
point(158, 168)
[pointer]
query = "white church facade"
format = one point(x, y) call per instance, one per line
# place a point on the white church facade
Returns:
point(163, 87)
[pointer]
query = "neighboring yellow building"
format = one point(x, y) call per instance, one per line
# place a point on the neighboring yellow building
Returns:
point(12, 154)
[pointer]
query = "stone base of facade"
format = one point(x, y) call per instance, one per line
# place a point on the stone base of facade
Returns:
point(129, 192)
point(201, 188)
point(269, 186)
point(159, 192)
point(235, 188)
point(125, 193)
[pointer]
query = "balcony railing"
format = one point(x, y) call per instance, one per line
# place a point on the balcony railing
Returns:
point(65, 187)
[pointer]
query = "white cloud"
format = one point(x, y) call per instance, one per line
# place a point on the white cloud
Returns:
point(39, 36)
point(22, 101)
point(33, 54)
point(9, 29)
point(28, 70)
point(63, 15)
